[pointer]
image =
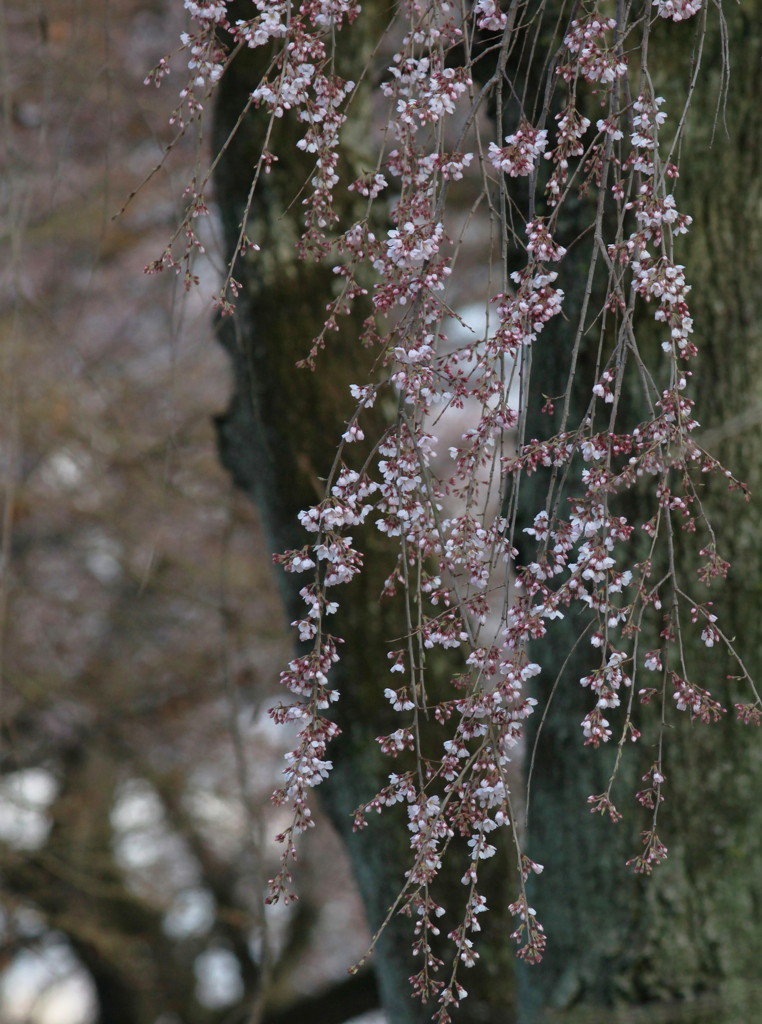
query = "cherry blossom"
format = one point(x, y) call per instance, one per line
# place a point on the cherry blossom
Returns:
point(454, 533)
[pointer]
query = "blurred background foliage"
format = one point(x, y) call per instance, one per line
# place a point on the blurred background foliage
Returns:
point(140, 635)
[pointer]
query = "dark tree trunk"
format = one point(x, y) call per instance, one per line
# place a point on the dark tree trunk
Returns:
point(694, 928)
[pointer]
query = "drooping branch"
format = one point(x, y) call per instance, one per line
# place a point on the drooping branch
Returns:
point(583, 424)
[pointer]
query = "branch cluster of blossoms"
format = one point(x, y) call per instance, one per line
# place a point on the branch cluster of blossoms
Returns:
point(457, 566)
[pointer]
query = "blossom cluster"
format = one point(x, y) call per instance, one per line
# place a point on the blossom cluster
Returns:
point(475, 579)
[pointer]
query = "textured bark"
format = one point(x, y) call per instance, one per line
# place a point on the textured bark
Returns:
point(694, 928)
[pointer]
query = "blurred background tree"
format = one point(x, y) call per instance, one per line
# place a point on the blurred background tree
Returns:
point(141, 637)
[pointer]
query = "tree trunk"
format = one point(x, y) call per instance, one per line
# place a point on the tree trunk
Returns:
point(693, 929)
